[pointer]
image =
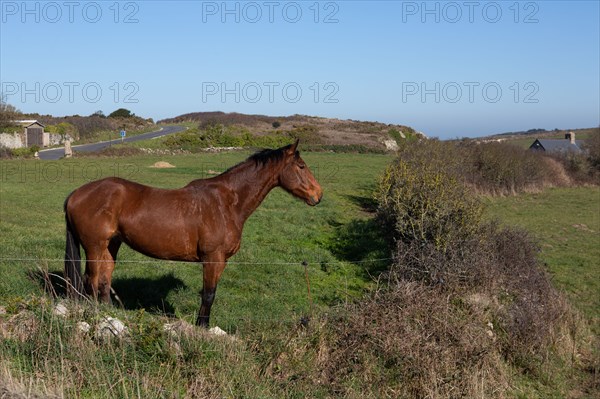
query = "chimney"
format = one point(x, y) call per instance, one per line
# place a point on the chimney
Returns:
point(571, 137)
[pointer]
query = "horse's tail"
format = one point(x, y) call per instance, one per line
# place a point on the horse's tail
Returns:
point(72, 260)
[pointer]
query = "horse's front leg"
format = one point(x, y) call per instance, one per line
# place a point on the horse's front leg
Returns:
point(213, 266)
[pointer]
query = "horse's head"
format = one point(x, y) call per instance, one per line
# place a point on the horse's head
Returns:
point(297, 179)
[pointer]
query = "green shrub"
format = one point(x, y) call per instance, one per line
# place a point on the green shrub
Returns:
point(121, 113)
point(406, 134)
point(582, 168)
point(308, 134)
point(489, 168)
point(189, 140)
point(592, 147)
point(500, 168)
point(441, 340)
point(5, 153)
point(462, 298)
point(421, 199)
point(341, 148)
point(268, 141)
point(395, 134)
point(25, 152)
point(63, 128)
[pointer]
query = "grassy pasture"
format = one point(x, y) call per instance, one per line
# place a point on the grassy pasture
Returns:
point(263, 290)
point(566, 222)
point(263, 281)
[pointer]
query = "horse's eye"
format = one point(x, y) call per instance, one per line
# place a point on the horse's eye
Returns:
point(301, 165)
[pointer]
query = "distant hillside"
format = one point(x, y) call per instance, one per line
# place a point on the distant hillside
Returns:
point(83, 127)
point(328, 130)
point(526, 138)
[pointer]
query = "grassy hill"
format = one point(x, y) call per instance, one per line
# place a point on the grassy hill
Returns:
point(327, 131)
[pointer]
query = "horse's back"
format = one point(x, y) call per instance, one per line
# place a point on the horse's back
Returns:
point(102, 193)
point(96, 206)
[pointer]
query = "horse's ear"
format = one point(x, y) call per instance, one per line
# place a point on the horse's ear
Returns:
point(293, 148)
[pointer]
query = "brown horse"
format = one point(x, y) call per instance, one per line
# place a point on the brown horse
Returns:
point(201, 222)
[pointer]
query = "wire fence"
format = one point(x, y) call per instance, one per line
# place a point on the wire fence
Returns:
point(227, 321)
point(243, 263)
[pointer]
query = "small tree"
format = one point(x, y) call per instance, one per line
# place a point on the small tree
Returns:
point(64, 129)
point(121, 113)
point(8, 113)
point(276, 124)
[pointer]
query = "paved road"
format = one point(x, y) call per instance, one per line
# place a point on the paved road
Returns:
point(57, 153)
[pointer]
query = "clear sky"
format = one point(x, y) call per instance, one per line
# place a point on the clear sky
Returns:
point(449, 69)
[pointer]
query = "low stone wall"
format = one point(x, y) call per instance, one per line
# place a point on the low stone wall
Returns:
point(11, 140)
point(17, 140)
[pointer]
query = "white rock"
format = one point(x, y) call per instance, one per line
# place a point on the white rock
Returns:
point(390, 145)
point(110, 327)
point(61, 310)
point(217, 331)
point(83, 326)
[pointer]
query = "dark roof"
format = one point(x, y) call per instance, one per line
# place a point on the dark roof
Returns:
point(34, 123)
point(562, 145)
point(28, 122)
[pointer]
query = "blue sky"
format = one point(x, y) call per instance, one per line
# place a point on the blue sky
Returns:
point(449, 69)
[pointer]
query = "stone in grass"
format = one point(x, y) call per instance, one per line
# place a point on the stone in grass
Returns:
point(217, 331)
point(83, 327)
point(110, 327)
point(60, 310)
point(181, 327)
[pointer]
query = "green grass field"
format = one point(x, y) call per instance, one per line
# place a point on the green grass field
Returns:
point(264, 280)
point(263, 291)
point(566, 222)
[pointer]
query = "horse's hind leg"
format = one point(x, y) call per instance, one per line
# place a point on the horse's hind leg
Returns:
point(98, 270)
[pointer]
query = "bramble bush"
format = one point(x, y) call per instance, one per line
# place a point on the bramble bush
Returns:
point(464, 300)
point(592, 146)
point(422, 199)
point(504, 169)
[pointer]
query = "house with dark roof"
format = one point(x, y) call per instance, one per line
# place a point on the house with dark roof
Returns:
point(569, 144)
point(32, 134)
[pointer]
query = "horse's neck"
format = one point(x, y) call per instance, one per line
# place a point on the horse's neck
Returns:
point(252, 183)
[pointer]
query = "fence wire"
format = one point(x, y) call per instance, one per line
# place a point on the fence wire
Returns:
point(243, 263)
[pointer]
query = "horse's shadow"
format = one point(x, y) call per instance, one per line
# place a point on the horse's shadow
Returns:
point(132, 293)
point(147, 293)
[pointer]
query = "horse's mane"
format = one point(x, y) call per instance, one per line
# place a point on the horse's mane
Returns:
point(265, 156)
point(259, 158)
